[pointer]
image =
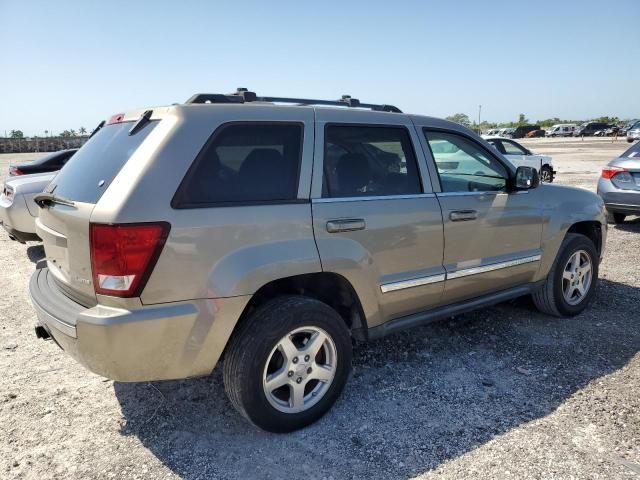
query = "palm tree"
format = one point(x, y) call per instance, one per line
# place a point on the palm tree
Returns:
point(82, 131)
point(72, 132)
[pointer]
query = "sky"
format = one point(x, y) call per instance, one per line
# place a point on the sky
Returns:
point(66, 65)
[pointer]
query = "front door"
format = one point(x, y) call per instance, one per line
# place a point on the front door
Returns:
point(492, 236)
point(373, 221)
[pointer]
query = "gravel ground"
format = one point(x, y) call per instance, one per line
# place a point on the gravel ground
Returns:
point(504, 392)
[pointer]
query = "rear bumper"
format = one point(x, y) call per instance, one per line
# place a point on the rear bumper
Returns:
point(19, 236)
point(16, 219)
point(617, 200)
point(155, 342)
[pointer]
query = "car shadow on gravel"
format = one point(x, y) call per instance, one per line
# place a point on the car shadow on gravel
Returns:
point(416, 399)
point(630, 225)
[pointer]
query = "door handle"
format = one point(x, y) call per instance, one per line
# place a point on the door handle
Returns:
point(463, 215)
point(345, 225)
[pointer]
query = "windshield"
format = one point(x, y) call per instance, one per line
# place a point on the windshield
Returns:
point(88, 174)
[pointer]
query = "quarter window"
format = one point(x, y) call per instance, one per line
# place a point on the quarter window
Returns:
point(245, 163)
point(369, 161)
point(463, 165)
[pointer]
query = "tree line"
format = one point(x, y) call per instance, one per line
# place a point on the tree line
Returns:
point(463, 119)
point(81, 132)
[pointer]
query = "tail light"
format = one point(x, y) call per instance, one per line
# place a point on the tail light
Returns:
point(611, 171)
point(13, 171)
point(7, 191)
point(123, 256)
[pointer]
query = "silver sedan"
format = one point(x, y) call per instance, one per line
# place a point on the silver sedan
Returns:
point(619, 185)
point(18, 211)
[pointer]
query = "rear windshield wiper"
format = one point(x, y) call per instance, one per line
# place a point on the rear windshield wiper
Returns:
point(47, 199)
point(98, 128)
point(141, 122)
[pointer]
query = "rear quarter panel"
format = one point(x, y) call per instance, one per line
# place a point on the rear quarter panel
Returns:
point(219, 251)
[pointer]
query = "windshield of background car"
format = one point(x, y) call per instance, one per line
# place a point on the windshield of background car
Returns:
point(88, 174)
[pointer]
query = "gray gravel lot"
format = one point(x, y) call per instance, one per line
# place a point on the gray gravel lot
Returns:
point(500, 393)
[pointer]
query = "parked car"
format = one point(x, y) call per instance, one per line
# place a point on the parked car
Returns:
point(522, 131)
point(633, 133)
point(628, 126)
point(493, 132)
point(49, 163)
point(519, 155)
point(535, 134)
point(619, 185)
point(17, 208)
point(508, 132)
point(279, 235)
point(590, 128)
point(561, 130)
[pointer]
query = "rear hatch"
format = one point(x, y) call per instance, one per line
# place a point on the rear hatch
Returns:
point(65, 215)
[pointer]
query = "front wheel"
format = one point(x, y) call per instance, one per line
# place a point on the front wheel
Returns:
point(288, 363)
point(546, 174)
point(572, 280)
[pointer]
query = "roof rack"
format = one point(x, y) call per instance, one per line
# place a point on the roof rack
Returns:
point(243, 95)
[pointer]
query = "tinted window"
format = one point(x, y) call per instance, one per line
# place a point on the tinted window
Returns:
point(369, 161)
point(632, 152)
point(91, 170)
point(513, 149)
point(463, 165)
point(245, 162)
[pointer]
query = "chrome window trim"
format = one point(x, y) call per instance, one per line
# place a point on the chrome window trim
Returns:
point(414, 282)
point(487, 192)
point(372, 197)
point(465, 272)
point(420, 281)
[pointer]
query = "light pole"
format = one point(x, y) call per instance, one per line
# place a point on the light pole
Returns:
point(479, 111)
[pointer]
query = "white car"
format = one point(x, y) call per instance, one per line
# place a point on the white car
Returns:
point(18, 211)
point(561, 130)
point(522, 156)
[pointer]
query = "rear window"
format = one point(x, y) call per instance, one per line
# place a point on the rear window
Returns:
point(245, 163)
point(89, 172)
point(632, 152)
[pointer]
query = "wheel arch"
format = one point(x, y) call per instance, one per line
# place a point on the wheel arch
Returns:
point(328, 287)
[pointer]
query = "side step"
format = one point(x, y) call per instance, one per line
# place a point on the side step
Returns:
point(422, 318)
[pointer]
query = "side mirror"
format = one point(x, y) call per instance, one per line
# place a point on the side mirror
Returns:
point(526, 178)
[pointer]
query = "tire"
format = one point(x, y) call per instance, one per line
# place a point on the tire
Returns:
point(550, 299)
point(615, 217)
point(546, 172)
point(255, 349)
point(629, 140)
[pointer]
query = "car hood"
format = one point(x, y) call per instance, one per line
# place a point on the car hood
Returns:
point(30, 183)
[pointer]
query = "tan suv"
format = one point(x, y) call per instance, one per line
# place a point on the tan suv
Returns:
point(275, 233)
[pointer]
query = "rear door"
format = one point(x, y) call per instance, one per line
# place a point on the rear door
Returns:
point(376, 220)
point(64, 226)
point(492, 237)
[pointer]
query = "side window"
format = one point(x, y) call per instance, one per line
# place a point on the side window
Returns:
point(369, 161)
point(463, 165)
point(245, 162)
point(511, 148)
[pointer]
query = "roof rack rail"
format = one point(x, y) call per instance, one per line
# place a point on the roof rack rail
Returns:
point(243, 95)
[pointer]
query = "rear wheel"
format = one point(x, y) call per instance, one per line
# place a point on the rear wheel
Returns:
point(571, 283)
point(287, 364)
point(546, 174)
